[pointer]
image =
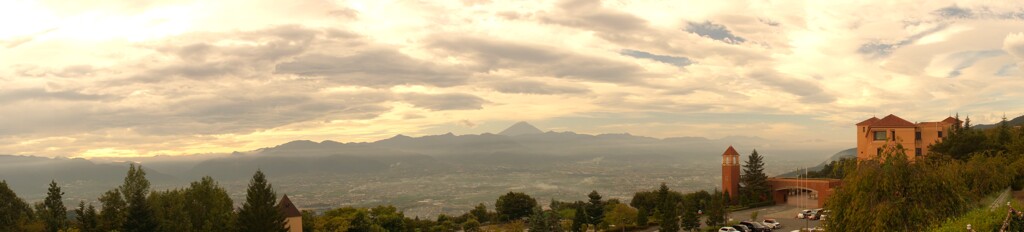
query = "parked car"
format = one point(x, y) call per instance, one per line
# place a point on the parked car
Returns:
point(741, 228)
point(728, 229)
point(772, 223)
point(803, 214)
point(755, 227)
point(821, 215)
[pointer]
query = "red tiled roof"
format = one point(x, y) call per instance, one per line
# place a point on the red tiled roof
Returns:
point(730, 151)
point(950, 120)
point(868, 122)
point(288, 208)
point(892, 121)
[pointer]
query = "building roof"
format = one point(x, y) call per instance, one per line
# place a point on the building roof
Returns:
point(950, 120)
point(288, 208)
point(868, 122)
point(892, 121)
point(730, 151)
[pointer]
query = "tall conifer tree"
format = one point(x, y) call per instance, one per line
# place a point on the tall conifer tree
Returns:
point(87, 219)
point(54, 215)
point(754, 183)
point(139, 216)
point(260, 211)
point(668, 210)
point(595, 209)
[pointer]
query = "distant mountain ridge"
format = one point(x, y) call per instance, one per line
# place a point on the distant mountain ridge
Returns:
point(848, 153)
point(1019, 120)
point(520, 128)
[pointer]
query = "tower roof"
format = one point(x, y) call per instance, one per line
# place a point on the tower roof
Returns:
point(288, 208)
point(730, 151)
point(892, 121)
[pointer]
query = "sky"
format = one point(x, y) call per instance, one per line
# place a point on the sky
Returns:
point(144, 78)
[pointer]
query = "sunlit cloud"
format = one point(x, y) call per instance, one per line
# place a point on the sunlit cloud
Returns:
point(176, 77)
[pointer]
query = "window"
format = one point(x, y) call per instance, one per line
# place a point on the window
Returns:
point(880, 135)
point(878, 152)
point(940, 134)
point(917, 135)
point(917, 151)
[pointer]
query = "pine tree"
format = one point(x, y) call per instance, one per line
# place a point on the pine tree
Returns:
point(54, 215)
point(689, 220)
point(1003, 135)
point(595, 209)
point(716, 209)
point(579, 219)
point(113, 210)
point(139, 216)
point(260, 211)
point(13, 210)
point(87, 219)
point(668, 208)
point(754, 183)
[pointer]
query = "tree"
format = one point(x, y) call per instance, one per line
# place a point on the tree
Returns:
point(13, 210)
point(87, 220)
point(754, 183)
point(885, 194)
point(1003, 135)
point(139, 217)
point(595, 209)
point(668, 210)
point(960, 141)
point(260, 211)
point(579, 220)
point(645, 203)
point(689, 220)
point(112, 213)
point(716, 210)
point(388, 217)
point(209, 206)
point(308, 221)
point(169, 211)
point(363, 223)
point(622, 215)
point(471, 225)
point(514, 206)
point(54, 214)
point(544, 221)
point(480, 212)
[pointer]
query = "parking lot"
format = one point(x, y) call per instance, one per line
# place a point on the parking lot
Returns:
point(785, 214)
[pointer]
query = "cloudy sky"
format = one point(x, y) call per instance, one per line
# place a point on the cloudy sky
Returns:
point(143, 78)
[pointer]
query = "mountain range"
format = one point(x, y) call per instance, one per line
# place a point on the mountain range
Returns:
point(521, 146)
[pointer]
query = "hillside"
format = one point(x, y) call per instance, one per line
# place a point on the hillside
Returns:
point(848, 153)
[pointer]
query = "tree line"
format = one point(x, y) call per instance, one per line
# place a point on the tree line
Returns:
point(891, 193)
point(203, 206)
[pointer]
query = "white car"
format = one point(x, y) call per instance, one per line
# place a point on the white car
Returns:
point(728, 229)
point(772, 223)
